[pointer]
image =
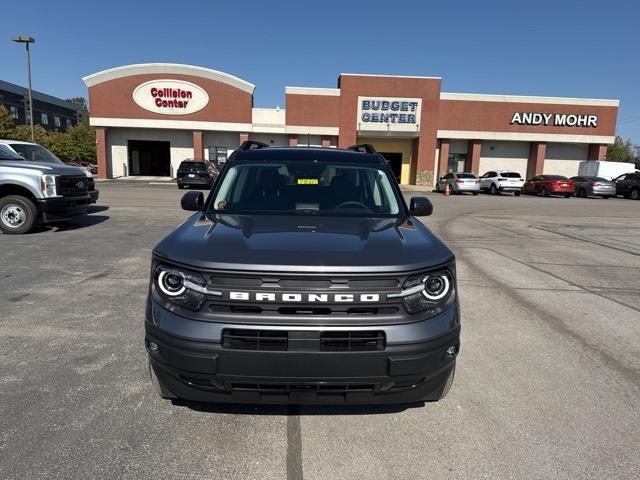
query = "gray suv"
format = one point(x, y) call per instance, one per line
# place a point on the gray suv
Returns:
point(39, 190)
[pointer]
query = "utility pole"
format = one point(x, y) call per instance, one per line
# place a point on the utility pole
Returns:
point(28, 40)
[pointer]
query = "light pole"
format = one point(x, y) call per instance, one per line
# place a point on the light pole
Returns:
point(27, 40)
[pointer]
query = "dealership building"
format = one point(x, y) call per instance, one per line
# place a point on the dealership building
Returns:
point(150, 117)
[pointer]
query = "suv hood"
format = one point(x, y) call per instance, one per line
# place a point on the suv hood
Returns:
point(303, 244)
point(44, 167)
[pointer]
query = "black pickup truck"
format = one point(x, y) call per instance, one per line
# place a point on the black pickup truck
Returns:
point(303, 278)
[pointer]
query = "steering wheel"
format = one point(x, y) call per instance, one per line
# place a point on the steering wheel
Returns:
point(357, 204)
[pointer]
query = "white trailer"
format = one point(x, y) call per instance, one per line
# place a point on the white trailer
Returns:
point(604, 169)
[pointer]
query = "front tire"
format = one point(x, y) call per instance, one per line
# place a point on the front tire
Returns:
point(582, 193)
point(567, 195)
point(544, 192)
point(635, 194)
point(17, 214)
point(516, 194)
point(493, 190)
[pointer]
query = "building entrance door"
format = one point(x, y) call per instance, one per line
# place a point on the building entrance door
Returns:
point(395, 162)
point(149, 158)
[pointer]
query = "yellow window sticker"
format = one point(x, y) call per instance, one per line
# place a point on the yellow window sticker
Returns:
point(307, 181)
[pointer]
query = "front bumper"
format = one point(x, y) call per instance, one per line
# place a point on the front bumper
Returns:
point(62, 208)
point(412, 367)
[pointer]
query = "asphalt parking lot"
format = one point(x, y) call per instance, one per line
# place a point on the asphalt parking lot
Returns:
point(547, 386)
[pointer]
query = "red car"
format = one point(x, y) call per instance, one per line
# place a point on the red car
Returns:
point(546, 185)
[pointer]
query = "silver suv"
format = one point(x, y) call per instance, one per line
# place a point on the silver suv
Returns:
point(36, 187)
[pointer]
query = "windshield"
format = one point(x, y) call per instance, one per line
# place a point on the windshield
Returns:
point(7, 154)
point(306, 188)
point(35, 153)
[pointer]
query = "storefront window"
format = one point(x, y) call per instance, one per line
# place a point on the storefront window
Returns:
point(218, 154)
point(456, 162)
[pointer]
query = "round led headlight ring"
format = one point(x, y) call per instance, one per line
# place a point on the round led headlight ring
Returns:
point(436, 287)
point(171, 284)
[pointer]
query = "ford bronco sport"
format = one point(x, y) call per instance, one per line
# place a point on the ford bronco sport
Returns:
point(303, 278)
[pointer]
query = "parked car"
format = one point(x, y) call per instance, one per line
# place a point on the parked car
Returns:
point(38, 154)
point(587, 186)
point(196, 172)
point(498, 181)
point(318, 285)
point(628, 185)
point(80, 166)
point(546, 185)
point(36, 187)
point(93, 168)
point(459, 183)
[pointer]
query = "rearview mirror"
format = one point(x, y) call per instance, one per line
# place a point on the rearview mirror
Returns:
point(192, 201)
point(420, 206)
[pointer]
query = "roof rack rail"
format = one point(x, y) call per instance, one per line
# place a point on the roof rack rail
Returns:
point(252, 145)
point(362, 148)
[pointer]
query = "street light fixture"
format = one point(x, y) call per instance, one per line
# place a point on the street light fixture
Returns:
point(27, 40)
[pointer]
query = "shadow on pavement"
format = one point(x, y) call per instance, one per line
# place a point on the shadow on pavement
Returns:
point(81, 222)
point(310, 410)
point(97, 208)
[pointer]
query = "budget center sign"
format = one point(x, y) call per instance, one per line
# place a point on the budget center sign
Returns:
point(389, 114)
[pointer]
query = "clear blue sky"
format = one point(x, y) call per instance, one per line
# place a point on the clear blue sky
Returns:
point(559, 48)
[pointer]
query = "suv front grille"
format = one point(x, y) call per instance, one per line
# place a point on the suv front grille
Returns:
point(255, 340)
point(283, 340)
point(70, 186)
point(351, 341)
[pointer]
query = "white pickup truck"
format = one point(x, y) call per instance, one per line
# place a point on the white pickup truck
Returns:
point(36, 187)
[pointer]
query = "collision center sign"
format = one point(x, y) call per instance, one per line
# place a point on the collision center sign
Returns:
point(389, 114)
point(170, 97)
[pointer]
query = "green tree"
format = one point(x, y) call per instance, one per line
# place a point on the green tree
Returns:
point(621, 151)
point(76, 144)
point(7, 123)
point(83, 140)
point(79, 101)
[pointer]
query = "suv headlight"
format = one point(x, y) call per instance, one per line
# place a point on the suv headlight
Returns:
point(427, 291)
point(182, 287)
point(48, 185)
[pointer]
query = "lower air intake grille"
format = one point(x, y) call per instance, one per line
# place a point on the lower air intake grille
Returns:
point(317, 388)
point(255, 340)
point(351, 341)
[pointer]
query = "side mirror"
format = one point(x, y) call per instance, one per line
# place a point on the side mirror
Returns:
point(420, 207)
point(192, 201)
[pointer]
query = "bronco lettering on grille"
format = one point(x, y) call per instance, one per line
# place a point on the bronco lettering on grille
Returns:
point(305, 297)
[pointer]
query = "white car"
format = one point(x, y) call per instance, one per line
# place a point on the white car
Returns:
point(459, 183)
point(498, 181)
